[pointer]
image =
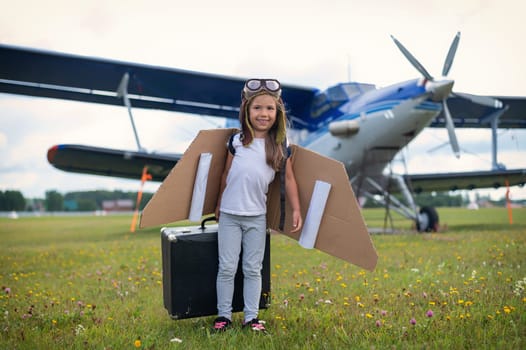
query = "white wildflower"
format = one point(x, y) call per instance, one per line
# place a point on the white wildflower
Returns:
point(520, 285)
point(79, 329)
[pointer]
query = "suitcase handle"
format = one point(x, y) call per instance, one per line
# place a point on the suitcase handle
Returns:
point(212, 218)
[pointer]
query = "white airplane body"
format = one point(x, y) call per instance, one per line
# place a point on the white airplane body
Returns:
point(367, 137)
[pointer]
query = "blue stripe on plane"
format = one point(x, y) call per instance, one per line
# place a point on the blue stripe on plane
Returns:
point(323, 129)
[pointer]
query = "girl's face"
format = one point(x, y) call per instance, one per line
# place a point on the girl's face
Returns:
point(262, 114)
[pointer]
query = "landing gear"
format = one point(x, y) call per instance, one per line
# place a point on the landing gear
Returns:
point(427, 220)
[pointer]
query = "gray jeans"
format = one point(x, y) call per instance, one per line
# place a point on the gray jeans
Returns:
point(236, 232)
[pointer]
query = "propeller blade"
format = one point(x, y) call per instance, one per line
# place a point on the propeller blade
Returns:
point(481, 100)
point(450, 55)
point(412, 59)
point(450, 126)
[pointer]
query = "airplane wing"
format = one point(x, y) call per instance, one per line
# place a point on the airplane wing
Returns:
point(57, 75)
point(468, 114)
point(466, 180)
point(42, 73)
point(109, 162)
point(34, 72)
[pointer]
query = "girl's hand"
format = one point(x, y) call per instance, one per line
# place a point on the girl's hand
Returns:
point(297, 221)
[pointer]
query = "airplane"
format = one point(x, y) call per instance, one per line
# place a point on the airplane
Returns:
point(359, 124)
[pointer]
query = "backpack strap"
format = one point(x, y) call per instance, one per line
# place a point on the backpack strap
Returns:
point(230, 146)
point(286, 152)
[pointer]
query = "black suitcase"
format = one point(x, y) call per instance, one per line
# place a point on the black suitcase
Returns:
point(190, 262)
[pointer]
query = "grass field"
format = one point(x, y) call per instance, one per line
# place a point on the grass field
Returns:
point(87, 283)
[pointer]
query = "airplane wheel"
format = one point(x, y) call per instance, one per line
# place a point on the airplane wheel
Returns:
point(427, 220)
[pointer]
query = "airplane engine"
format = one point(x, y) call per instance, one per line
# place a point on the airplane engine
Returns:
point(344, 128)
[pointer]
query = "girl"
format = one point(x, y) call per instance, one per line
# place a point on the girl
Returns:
point(241, 208)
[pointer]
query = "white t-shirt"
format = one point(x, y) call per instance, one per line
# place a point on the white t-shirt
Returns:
point(248, 180)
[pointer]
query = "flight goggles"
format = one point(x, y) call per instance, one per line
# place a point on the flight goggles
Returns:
point(253, 86)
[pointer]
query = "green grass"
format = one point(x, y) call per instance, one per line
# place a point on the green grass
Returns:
point(86, 282)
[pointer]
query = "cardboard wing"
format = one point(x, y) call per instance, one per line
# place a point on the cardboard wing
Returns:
point(173, 199)
point(340, 230)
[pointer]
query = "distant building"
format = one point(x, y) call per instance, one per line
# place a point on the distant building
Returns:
point(473, 206)
point(118, 205)
point(71, 205)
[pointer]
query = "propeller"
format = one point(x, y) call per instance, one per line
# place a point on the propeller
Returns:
point(481, 100)
point(450, 55)
point(419, 67)
point(442, 89)
point(450, 126)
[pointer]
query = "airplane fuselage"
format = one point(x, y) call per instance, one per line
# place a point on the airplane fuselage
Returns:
point(373, 128)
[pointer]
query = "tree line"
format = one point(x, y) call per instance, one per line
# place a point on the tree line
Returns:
point(440, 199)
point(92, 200)
point(72, 201)
point(12, 200)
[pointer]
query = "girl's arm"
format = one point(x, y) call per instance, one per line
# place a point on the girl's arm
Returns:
point(222, 186)
point(291, 187)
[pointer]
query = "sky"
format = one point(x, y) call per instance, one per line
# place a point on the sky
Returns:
point(301, 42)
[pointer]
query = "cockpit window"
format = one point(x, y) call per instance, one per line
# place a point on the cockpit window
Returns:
point(337, 95)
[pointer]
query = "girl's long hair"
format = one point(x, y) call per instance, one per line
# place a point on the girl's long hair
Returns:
point(276, 135)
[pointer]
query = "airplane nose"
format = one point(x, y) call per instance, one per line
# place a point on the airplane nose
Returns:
point(439, 90)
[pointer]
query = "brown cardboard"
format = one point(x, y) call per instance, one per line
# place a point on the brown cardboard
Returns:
point(342, 231)
point(171, 202)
